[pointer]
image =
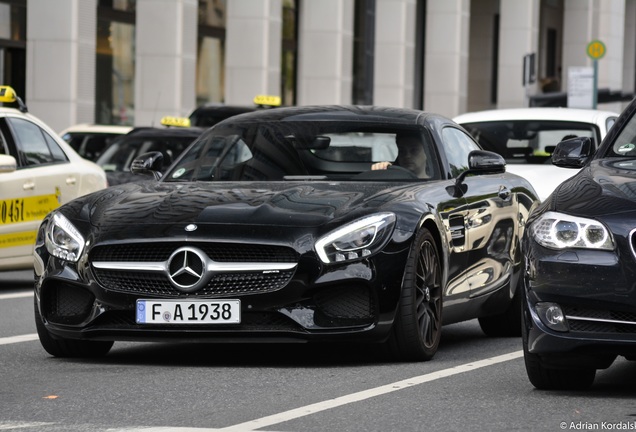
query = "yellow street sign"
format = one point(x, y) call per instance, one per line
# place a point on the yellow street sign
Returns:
point(596, 49)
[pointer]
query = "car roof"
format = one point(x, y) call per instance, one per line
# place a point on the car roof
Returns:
point(97, 128)
point(555, 114)
point(353, 113)
point(149, 131)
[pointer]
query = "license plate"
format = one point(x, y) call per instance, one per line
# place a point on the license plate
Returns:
point(188, 311)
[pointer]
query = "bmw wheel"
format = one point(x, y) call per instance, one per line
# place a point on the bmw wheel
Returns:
point(418, 325)
point(61, 347)
point(545, 378)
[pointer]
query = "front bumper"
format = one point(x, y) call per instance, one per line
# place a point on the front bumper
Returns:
point(348, 302)
point(596, 293)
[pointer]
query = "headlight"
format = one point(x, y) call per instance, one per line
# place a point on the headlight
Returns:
point(356, 240)
point(63, 240)
point(559, 231)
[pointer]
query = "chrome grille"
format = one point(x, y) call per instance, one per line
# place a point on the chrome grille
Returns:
point(220, 252)
point(142, 280)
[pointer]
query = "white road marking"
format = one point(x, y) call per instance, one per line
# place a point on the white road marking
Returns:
point(18, 339)
point(22, 425)
point(16, 295)
point(254, 425)
point(366, 394)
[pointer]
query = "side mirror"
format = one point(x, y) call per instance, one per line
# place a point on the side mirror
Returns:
point(482, 161)
point(148, 163)
point(7, 164)
point(479, 162)
point(572, 153)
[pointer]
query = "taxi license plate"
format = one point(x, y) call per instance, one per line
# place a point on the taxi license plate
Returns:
point(188, 311)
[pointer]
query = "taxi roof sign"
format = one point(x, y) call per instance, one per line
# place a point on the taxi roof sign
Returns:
point(267, 100)
point(175, 121)
point(7, 94)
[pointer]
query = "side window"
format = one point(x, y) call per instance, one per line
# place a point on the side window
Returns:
point(34, 145)
point(457, 146)
point(4, 148)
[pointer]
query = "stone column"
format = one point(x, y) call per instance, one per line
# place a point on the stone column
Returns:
point(519, 35)
point(253, 46)
point(60, 81)
point(394, 53)
point(446, 59)
point(165, 69)
point(325, 65)
point(588, 20)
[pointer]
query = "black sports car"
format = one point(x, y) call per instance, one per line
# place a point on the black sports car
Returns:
point(273, 226)
point(579, 297)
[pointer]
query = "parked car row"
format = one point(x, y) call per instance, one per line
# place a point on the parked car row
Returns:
point(333, 223)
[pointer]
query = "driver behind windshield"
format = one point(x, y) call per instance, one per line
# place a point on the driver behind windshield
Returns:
point(411, 155)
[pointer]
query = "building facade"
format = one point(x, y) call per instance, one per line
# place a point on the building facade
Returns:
point(135, 61)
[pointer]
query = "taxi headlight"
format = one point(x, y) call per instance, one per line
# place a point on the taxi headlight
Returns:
point(560, 231)
point(357, 239)
point(62, 239)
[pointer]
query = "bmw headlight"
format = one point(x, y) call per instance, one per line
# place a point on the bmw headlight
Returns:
point(559, 231)
point(62, 239)
point(357, 239)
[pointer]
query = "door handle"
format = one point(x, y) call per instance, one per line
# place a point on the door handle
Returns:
point(70, 181)
point(30, 185)
point(504, 193)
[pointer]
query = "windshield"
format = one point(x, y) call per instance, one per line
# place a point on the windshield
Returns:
point(528, 141)
point(288, 150)
point(625, 144)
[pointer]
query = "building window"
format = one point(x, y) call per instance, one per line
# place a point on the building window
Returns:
point(115, 62)
point(289, 57)
point(13, 45)
point(210, 77)
point(363, 52)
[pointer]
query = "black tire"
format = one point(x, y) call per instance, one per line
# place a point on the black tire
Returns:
point(556, 379)
point(545, 378)
point(417, 328)
point(507, 324)
point(62, 347)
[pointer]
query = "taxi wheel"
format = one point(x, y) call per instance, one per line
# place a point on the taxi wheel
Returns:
point(418, 325)
point(61, 347)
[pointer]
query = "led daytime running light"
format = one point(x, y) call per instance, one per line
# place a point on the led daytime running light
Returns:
point(560, 231)
point(63, 240)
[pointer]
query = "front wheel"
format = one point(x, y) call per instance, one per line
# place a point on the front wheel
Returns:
point(556, 379)
point(62, 347)
point(418, 325)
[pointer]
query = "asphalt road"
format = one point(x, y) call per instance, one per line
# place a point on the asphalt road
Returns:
point(473, 383)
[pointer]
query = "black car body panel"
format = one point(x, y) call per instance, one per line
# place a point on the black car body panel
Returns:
point(221, 205)
point(594, 286)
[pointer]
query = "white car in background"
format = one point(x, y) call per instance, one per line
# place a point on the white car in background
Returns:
point(39, 171)
point(90, 140)
point(526, 137)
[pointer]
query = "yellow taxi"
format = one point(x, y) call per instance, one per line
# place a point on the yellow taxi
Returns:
point(39, 171)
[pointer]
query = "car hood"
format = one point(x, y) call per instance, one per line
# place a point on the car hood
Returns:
point(250, 204)
point(604, 187)
point(543, 177)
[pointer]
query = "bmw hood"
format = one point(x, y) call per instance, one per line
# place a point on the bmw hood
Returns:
point(605, 187)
